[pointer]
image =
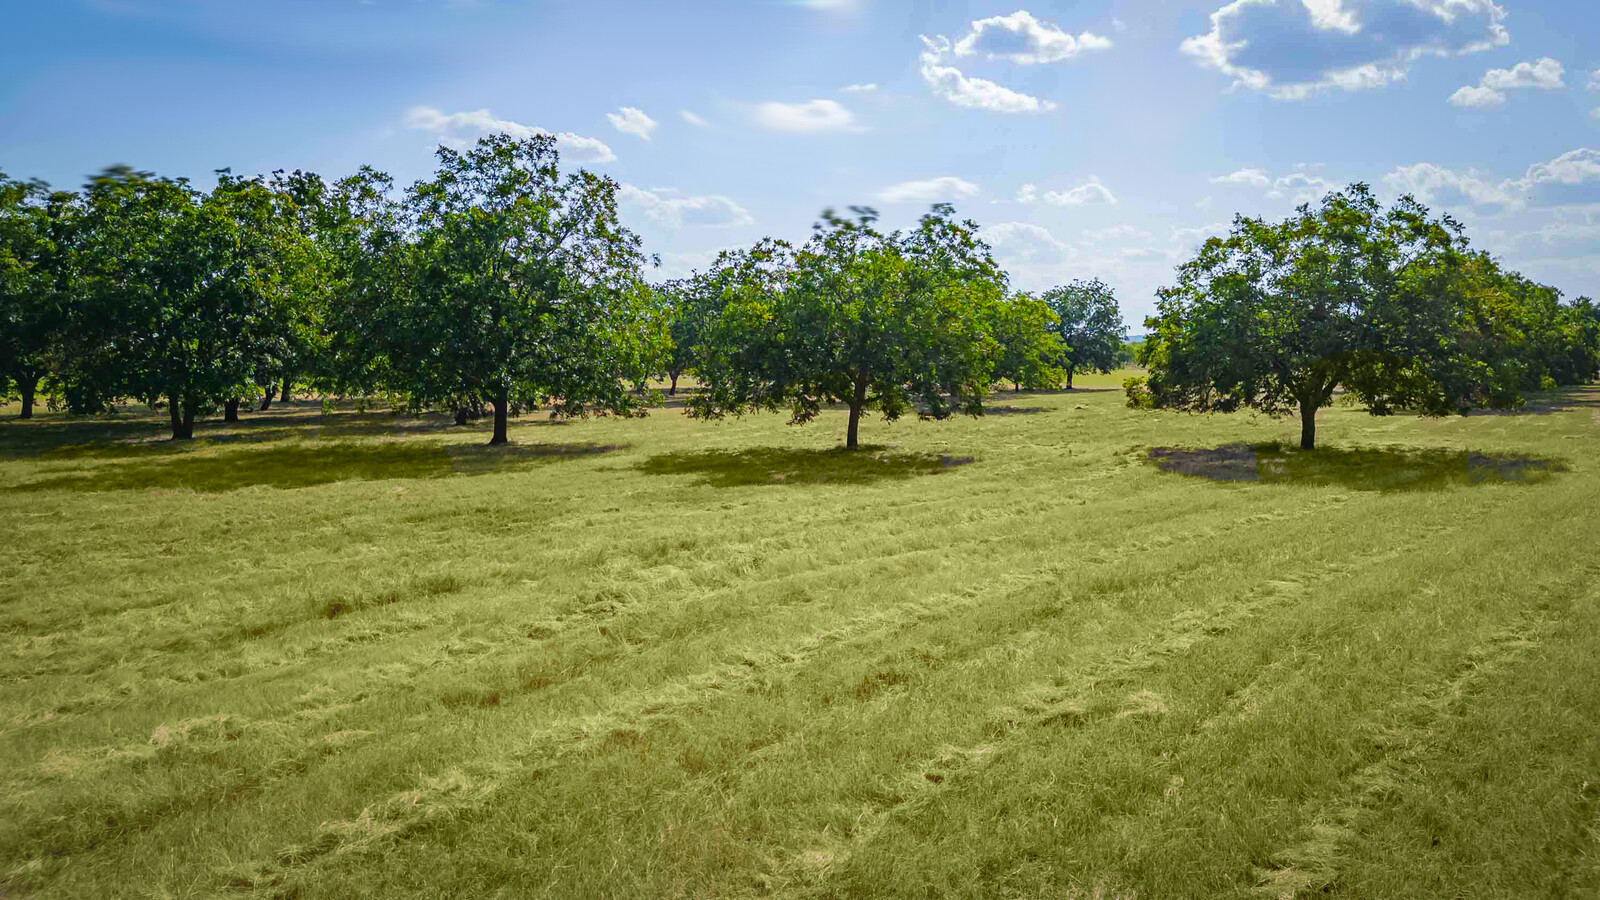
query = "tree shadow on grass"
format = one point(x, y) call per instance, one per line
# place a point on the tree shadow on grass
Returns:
point(145, 434)
point(777, 465)
point(1362, 469)
point(310, 464)
point(1013, 410)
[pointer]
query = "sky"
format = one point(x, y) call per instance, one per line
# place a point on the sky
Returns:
point(1104, 138)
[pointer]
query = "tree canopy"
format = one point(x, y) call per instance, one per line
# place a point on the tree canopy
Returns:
point(892, 322)
point(1345, 296)
point(1089, 324)
point(517, 284)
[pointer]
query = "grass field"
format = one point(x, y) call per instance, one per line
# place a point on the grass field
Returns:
point(362, 655)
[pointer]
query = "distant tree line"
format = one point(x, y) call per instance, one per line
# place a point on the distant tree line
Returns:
point(499, 285)
point(503, 284)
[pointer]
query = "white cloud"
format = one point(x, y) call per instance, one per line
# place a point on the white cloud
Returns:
point(1594, 81)
point(455, 127)
point(1559, 240)
point(692, 119)
point(811, 116)
point(632, 120)
point(932, 190)
point(1083, 195)
point(1436, 184)
point(1027, 194)
point(1025, 243)
point(710, 211)
point(1292, 50)
point(1544, 74)
point(1251, 177)
point(1189, 238)
point(1490, 90)
point(1300, 187)
point(1116, 233)
point(858, 89)
point(1475, 97)
point(1023, 39)
point(951, 84)
point(1571, 179)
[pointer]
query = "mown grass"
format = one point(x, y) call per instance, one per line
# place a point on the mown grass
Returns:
point(361, 655)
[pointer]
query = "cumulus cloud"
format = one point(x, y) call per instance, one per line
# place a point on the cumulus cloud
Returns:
point(1023, 242)
point(673, 211)
point(1293, 49)
point(1477, 97)
point(1023, 39)
point(458, 127)
point(1185, 239)
point(932, 190)
point(1545, 74)
point(859, 89)
point(1571, 179)
point(1594, 81)
point(632, 120)
point(1559, 240)
point(1436, 184)
point(951, 84)
point(1083, 195)
point(1301, 185)
point(1027, 194)
point(1251, 177)
point(811, 116)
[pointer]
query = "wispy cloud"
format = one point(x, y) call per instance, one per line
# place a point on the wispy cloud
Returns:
point(460, 126)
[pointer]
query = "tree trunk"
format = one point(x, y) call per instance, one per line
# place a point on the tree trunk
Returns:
point(284, 394)
point(266, 402)
point(29, 385)
point(230, 411)
point(856, 403)
point(1069, 377)
point(1308, 426)
point(182, 419)
point(673, 390)
point(501, 408)
point(461, 415)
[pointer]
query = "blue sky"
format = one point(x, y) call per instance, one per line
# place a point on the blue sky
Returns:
point(1099, 138)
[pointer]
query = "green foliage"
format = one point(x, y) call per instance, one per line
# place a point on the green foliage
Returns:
point(1089, 324)
point(1278, 316)
point(39, 234)
point(889, 322)
point(184, 291)
point(1029, 348)
point(515, 284)
point(1136, 388)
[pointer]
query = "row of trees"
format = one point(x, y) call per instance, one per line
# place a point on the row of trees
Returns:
point(1389, 308)
point(503, 284)
point(500, 284)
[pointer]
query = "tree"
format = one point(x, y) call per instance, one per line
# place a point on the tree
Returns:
point(518, 285)
point(1024, 328)
point(179, 287)
point(690, 305)
point(1277, 316)
point(38, 234)
point(1089, 324)
point(887, 322)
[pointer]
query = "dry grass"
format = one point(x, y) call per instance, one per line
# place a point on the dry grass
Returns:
point(357, 655)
